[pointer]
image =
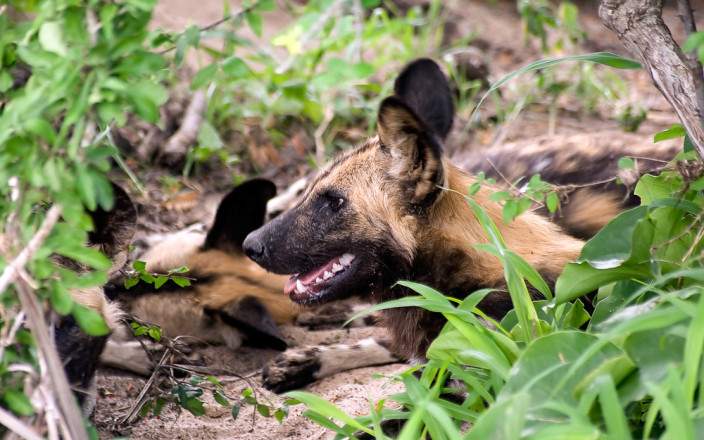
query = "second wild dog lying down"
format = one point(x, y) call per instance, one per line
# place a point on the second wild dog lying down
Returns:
point(78, 351)
point(380, 213)
point(231, 300)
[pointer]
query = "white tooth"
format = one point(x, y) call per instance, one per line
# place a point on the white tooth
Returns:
point(327, 275)
point(300, 288)
point(346, 259)
point(337, 267)
point(318, 280)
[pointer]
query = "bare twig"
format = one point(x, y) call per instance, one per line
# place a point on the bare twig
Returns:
point(129, 417)
point(54, 368)
point(177, 145)
point(639, 25)
point(12, 270)
point(218, 22)
point(320, 131)
point(17, 426)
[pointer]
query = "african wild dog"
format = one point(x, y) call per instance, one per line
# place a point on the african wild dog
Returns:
point(393, 209)
point(230, 301)
point(79, 352)
point(592, 188)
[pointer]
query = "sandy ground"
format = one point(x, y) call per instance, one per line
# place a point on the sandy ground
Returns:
point(353, 390)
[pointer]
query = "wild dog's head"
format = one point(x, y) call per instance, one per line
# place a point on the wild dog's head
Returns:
point(355, 227)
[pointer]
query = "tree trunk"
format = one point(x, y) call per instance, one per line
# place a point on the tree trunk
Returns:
point(639, 25)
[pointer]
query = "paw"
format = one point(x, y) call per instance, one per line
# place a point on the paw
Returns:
point(292, 369)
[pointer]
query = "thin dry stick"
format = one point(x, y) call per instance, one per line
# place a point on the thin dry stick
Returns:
point(319, 132)
point(140, 398)
point(177, 145)
point(17, 426)
point(54, 367)
point(10, 273)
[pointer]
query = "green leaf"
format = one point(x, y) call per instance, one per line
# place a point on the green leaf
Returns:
point(235, 67)
point(578, 279)
point(18, 403)
point(626, 163)
point(154, 333)
point(220, 398)
point(194, 405)
point(89, 256)
point(160, 280)
point(552, 201)
point(674, 131)
point(235, 411)
point(139, 266)
point(611, 246)
point(5, 81)
point(51, 38)
point(130, 282)
point(265, 5)
point(181, 281)
point(263, 410)
point(255, 22)
point(693, 42)
point(326, 409)
point(651, 188)
point(61, 300)
point(280, 414)
point(90, 321)
point(204, 76)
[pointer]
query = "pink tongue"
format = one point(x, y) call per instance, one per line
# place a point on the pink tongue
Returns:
point(309, 277)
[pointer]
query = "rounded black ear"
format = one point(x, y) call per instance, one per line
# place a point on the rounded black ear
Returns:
point(415, 153)
point(113, 229)
point(240, 212)
point(424, 88)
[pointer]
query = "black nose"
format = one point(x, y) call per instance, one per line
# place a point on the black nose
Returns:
point(253, 247)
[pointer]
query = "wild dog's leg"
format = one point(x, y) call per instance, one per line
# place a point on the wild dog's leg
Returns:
point(335, 314)
point(127, 355)
point(79, 353)
point(298, 367)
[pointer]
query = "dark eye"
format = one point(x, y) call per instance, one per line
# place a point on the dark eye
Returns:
point(334, 201)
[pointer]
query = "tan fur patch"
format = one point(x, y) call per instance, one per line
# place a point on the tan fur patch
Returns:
point(589, 210)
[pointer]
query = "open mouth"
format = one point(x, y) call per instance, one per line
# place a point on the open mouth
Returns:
point(313, 285)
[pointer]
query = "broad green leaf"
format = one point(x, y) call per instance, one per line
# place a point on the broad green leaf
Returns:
point(255, 22)
point(18, 403)
point(674, 131)
point(578, 279)
point(613, 244)
point(503, 420)
point(61, 300)
point(650, 188)
point(204, 76)
point(51, 38)
point(235, 67)
point(90, 321)
point(546, 359)
point(160, 281)
point(181, 281)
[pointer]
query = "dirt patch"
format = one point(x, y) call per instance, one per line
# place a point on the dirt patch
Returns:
point(352, 391)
